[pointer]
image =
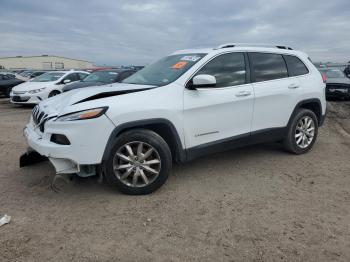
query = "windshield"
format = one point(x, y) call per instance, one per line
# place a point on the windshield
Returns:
point(48, 77)
point(335, 74)
point(165, 70)
point(102, 76)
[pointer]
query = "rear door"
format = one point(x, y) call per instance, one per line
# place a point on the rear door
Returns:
point(220, 112)
point(275, 92)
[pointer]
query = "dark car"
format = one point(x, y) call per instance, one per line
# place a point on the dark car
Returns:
point(347, 70)
point(101, 77)
point(6, 84)
point(337, 84)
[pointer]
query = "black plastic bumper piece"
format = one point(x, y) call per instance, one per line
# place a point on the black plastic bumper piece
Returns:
point(323, 118)
point(30, 158)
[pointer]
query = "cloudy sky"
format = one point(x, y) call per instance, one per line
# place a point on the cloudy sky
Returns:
point(138, 32)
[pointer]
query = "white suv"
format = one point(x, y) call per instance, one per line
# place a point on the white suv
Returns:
point(186, 105)
point(44, 86)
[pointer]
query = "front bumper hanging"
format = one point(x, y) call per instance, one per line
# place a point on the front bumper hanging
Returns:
point(31, 157)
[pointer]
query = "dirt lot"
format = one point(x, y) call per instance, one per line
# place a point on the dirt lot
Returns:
point(252, 204)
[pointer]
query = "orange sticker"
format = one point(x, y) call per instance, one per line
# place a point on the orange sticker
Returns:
point(179, 65)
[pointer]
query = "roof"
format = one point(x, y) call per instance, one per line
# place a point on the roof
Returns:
point(44, 56)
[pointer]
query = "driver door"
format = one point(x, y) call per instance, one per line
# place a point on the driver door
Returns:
point(224, 112)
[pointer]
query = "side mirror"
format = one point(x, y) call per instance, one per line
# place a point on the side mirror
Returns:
point(203, 81)
point(66, 81)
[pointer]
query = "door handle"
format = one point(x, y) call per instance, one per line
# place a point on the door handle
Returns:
point(243, 93)
point(293, 86)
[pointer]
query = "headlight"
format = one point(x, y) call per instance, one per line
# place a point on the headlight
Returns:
point(36, 90)
point(85, 114)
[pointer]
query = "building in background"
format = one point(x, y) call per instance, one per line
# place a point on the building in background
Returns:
point(43, 62)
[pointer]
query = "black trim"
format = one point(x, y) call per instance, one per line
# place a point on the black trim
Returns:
point(248, 78)
point(180, 152)
point(59, 139)
point(323, 118)
point(256, 137)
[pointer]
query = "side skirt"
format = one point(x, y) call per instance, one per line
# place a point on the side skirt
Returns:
point(256, 137)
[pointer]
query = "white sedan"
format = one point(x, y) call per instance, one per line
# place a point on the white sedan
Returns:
point(44, 86)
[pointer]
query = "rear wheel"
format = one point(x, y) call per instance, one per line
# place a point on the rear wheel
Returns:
point(139, 163)
point(302, 132)
point(54, 93)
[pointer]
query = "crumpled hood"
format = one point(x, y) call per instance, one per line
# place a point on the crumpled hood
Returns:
point(57, 104)
point(27, 86)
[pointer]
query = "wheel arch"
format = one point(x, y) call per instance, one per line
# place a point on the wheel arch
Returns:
point(55, 90)
point(314, 105)
point(162, 127)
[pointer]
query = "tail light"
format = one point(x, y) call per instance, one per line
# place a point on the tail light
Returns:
point(324, 77)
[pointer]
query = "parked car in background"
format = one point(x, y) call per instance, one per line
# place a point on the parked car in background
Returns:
point(7, 82)
point(347, 70)
point(9, 74)
point(44, 86)
point(29, 74)
point(101, 77)
point(35, 74)
point(184, 106)
point(337, 84)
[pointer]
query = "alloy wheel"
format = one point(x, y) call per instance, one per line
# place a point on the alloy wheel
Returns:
point(305, 132)
point(136, 164)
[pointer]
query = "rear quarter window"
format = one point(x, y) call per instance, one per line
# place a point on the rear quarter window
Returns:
point(295, 66)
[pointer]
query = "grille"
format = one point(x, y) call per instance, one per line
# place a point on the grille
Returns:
point(20, 99)
point(39, 117)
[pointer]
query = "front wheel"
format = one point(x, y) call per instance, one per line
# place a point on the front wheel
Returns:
point(139, 163)
point(302, 132)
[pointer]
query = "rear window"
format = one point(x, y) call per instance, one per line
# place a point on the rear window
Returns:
point(295, 66)
point(267, 66)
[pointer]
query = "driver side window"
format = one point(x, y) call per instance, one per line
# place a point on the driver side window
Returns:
point(228, 69)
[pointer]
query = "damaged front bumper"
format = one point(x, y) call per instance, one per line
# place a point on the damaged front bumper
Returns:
point(81, 156)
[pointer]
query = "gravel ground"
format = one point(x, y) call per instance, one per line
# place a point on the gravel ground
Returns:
point(252, 204)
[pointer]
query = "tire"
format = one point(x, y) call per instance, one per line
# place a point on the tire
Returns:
point(117, 167)
point(54, 93)
point(292, 142)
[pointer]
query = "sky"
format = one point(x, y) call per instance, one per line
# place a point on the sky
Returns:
point(118, 32)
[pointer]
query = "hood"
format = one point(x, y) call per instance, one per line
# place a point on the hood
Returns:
point(338, 81)
point(81, 84)
point(58, 104)
point(27, 86)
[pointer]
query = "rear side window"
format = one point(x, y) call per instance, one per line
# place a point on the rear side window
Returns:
point(295, 66)
point(228, 69)
point(267, 66)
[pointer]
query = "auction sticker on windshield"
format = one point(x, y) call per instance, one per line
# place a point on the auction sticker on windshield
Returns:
point(192, 58)
point(179, 65)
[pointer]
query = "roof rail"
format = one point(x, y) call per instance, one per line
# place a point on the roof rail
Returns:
point(230, 45)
